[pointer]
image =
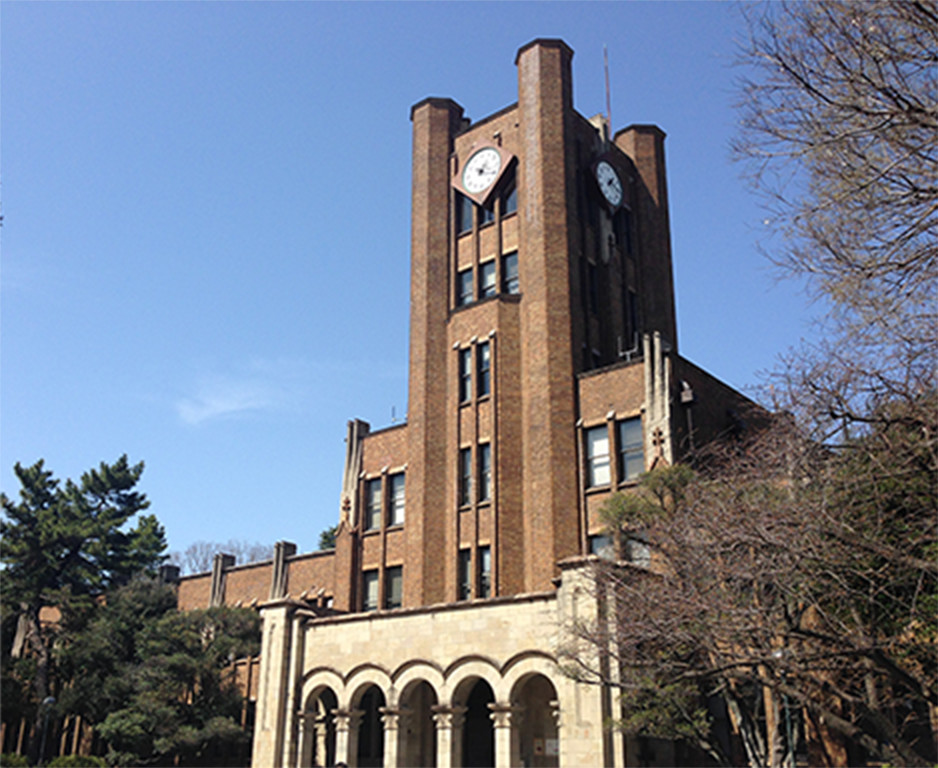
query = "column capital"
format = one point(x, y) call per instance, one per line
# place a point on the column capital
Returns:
point(347, 719)
point(392, 717)
point(503, 714)
point(448, 717)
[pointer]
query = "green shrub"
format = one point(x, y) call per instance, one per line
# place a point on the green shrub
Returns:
point(77, 761)
point(14, 761)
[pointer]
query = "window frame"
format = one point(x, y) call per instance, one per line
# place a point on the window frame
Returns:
point(465, 289)
point(370, 579)
point(509, 197)
point(631, 450)
point(465, 477)
point(373, 505)
point(484, 368)
point(488, 285)
point(464, 575)
point(397, 498)
point(464, 364)
point(511, 283)
point(484, 460)
point(596, 462)
point(393, 575)
point(464, 210)
point(484, 585)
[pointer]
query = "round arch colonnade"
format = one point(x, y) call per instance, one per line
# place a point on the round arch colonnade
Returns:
point(472, 713)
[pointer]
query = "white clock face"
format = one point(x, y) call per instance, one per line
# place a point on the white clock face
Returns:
point(609, 183)
point(481, 170)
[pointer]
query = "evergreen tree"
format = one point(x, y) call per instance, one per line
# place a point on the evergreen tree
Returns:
point(63, 546)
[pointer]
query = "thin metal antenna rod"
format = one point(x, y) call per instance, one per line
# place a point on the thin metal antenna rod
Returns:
point(608, 102)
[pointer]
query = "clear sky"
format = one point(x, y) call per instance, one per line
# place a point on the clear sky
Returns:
point(205, 242)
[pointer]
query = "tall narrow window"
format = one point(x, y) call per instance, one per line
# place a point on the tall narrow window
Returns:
point(464, 288)
point(510, 198)
point(372, 504)
point(464, 208)
point(396, 499)
point(370, 591)
point(592, 286)
point(484, 368)
point(394, 587)
point(465, 374)
point(485, 572)
point(623, 229)
point(510, 282)
point(464, 575)
point(631, 448)
point(465, 477)
point(597, 456)
point(487, 214)
point(485, 472)
point(631, 319)
point(487, 279)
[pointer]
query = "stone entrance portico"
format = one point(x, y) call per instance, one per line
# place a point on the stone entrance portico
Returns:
point(450, 686)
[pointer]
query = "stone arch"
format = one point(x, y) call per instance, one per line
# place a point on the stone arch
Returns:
point(534, 700)
point(467, 669)
point(358, 681)
point(418, 705)
point(318, 678)
point(317, 735)
point(527, 663)
point(414, 672)
point(370, 703)
point(475, 699)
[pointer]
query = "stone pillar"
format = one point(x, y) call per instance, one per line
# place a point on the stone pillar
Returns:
point(507, 737)
point(306, 732)
point(449, 722)
point(272, 712)
point(322, 739)
point(346, 736)
point(393, 719)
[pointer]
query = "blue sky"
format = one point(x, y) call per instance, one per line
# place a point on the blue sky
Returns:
point(205, 243)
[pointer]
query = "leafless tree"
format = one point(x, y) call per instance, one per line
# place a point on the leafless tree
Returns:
point(792, 588)
point(198, 556)
point(839, 118)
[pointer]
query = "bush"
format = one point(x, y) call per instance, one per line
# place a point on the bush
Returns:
point(14, 761)
point(77, 761)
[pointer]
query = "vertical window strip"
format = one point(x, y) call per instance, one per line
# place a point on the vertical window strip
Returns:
point(597, 456)
point(484, 366)
point(485, 472)
point(396, 499)
point(465, 375)
point(465, 477)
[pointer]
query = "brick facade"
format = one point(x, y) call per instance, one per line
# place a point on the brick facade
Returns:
point(542, 326)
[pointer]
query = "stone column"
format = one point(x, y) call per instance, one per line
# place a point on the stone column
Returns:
point(393, 749)
point(346, 736)
point(321, 735)
point(449, 722)
point(507, 742)
point(306, 732)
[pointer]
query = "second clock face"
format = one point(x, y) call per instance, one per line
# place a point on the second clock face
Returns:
point(481, 170)
point(609, 183)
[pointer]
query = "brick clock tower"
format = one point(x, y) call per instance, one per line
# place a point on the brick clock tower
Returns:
point(544, 376)
point(540, 253)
